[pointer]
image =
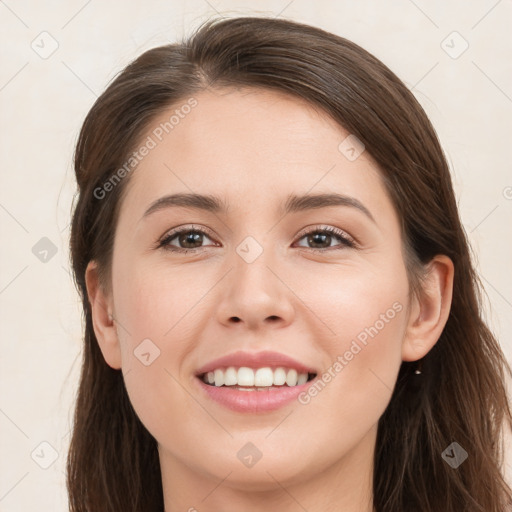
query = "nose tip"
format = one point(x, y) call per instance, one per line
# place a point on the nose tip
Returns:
point(272, 318)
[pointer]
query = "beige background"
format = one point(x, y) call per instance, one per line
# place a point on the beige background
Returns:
point(44, 98)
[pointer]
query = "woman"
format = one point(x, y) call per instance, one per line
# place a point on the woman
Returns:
point(281, 312)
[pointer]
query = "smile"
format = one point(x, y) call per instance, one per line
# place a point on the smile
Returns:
point(249, 379)
point(254, 382)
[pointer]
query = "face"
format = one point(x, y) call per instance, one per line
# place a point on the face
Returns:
point(324, 284)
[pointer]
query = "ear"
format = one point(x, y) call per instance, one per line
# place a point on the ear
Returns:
point(429, 313)
point(102, 317)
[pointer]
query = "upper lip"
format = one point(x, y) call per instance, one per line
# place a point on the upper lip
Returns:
point(261, 359)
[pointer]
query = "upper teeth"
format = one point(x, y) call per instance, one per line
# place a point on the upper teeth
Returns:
point(261, 377)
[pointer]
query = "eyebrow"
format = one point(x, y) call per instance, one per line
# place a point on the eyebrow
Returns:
point(294, 203)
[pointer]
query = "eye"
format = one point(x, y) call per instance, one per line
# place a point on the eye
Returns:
point(190, 239)
point(324, 236)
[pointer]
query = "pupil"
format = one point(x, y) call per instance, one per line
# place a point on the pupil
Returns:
point(316, 235)
point(190, 238)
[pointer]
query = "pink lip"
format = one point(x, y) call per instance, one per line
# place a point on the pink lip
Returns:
point(255, 360)
point(252, 401)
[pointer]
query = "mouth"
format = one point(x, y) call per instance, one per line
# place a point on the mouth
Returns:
point(253, 390)
point(254, 382)
point(256, 379)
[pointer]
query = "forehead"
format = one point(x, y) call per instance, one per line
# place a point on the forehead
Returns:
point(249, 145)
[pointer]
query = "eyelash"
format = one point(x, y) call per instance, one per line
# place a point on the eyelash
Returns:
point(345, 240)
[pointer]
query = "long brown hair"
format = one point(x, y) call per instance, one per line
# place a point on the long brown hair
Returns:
point(113, 462)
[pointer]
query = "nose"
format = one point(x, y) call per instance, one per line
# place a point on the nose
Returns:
point(255, 295)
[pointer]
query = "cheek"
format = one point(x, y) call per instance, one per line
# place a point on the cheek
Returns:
point(362, 317)
point(368, 318)
point(159, 312)
point(354, 299)
point(153, 302)
point(153, 309)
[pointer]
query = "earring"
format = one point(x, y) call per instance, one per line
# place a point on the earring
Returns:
point(418, 369)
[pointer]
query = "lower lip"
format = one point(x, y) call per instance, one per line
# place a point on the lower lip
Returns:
point(253, 401)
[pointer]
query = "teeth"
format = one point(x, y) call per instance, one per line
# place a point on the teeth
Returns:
point(219, 377)
point(279, 376)
point(259, 378)
point(230, 377)
point(291, 378)
point(302, 379)
point(245, 376)
point(263, 377)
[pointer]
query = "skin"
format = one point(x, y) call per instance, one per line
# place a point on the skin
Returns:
point(253, 148)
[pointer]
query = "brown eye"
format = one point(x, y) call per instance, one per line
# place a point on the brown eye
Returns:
point(318, 240)
point(324, 237)
point(187, 239)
